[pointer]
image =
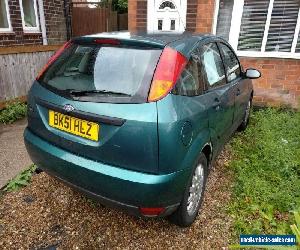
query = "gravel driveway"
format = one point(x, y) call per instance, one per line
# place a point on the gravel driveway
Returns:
point(48, 214)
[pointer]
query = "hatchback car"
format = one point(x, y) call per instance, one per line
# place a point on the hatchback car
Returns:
point(136, 121)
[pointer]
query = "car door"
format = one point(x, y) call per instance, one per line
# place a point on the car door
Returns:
point(219, 95)
point(236, 81)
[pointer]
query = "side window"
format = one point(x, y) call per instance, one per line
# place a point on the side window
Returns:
point(231, 62)
point(189, 82)
point(213, 68)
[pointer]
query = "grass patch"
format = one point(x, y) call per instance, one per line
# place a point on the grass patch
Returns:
point(14, 111)
point(21, 180)
point(266, 163)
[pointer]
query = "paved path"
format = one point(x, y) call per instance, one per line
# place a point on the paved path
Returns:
point(13, 155)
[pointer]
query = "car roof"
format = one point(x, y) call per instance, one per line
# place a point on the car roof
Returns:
point(183, 42)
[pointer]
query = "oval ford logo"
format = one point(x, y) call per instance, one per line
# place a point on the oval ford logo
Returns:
point(68, 108)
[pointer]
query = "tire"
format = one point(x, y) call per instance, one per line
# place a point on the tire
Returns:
point(246, 118)
point(187, 211)
point(38, 170)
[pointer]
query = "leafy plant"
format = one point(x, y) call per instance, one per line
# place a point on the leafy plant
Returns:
point(21, 180)
point(296, 227)
point(14, 111)
point(121, 6)
point(266, 164)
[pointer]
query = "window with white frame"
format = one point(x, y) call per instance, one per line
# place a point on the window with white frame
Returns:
point(29, 15)
point(5, 25)
point(260, 28)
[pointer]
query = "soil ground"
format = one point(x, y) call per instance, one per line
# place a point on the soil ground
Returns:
point(47, 214)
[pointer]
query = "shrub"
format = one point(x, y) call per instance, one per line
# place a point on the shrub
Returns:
point(13, 112)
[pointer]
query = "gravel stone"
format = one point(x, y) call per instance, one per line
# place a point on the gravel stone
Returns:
point(54, 216)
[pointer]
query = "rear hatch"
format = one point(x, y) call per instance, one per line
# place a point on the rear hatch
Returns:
point(91, 100)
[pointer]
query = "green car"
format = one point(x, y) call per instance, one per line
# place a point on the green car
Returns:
point(136, 121)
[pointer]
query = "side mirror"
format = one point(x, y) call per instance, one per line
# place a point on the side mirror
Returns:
point(252, 74)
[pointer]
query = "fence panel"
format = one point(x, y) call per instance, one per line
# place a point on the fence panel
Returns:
point(17, 72)
point(92, 17)
point(123, 21)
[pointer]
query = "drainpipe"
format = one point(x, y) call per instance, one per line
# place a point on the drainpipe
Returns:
point(43, 22)
point(67, 13)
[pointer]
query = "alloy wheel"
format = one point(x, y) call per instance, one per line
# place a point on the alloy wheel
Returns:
point(195, 191)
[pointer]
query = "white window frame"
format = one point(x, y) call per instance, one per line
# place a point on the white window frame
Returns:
point(9, 29)
point(30, 29)
point(235, 27)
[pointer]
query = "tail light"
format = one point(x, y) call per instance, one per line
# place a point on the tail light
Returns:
point(151, 211)
point(53, 58)
point(169, 68)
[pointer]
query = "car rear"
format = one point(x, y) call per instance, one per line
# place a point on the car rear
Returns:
point(92, 121)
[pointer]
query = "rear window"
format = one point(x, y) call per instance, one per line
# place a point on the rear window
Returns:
point(102, 73)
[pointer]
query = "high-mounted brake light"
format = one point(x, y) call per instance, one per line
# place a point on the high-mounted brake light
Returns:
point(151, 211)
point(107, 41)
point(53, 58)
point(169, 68)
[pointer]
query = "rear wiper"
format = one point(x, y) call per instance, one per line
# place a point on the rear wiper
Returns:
point(95, 91)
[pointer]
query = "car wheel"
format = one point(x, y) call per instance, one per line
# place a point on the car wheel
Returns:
point(187, 212)
point(246, 118)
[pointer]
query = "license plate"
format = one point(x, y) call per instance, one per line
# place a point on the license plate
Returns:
point(72, 125)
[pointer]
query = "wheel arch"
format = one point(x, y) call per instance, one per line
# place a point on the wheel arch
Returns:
point(207, 150)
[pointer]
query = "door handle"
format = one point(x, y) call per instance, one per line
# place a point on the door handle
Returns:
point(238, 92)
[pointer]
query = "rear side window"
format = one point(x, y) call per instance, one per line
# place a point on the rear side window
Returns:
point(232, 65)
point(190, 82)
point(212, 65)
point(122, 73)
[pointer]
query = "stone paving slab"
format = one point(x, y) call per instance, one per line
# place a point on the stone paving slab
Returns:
point(13, 154)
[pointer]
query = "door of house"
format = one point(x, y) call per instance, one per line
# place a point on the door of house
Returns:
point(166, 16)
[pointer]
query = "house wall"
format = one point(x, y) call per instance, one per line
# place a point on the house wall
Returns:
point(55, 25)
point(17, 36)
point(55, 21)
point(280, 81)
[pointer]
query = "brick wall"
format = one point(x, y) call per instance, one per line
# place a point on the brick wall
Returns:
point(132, 14)
point(55, 21)
point(191, 14)
point(205, 16)
point(55, 25)
point(280, 81)
point(141, 15)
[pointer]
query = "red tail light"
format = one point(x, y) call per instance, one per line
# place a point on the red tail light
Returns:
point(107, 41)
point(53, 58)
point(151, 211)
point(169, 68)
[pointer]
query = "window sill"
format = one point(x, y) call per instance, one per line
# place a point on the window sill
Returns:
point(3, 33)
point(26, 32)
point(283, 55)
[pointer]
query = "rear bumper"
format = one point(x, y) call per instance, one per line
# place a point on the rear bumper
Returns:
point(111, 186)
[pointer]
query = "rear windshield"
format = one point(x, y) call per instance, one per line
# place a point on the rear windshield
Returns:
point(102, 73)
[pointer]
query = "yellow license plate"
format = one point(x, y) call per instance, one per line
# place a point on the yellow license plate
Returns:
point(72, 125)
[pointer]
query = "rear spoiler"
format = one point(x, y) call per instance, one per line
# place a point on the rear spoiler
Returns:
point(94, 40)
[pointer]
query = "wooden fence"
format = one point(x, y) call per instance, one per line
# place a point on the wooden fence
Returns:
point(123, 21)
point(87, 20)
point(18, 68)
